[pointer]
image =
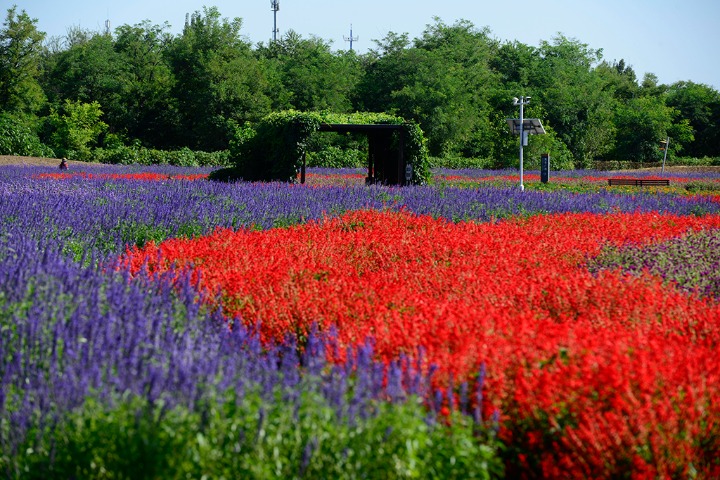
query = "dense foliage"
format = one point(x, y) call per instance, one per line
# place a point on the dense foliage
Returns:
point(18, 139)
point(194, 90)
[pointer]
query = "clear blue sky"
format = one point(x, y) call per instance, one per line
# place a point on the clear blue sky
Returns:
point(674, 39)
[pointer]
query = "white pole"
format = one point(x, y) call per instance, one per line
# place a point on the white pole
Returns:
point(522, 102)
point(667, 145)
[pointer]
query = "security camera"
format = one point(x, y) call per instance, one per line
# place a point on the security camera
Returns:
point(515, 100)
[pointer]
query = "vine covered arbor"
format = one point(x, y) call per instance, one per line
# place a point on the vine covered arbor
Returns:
point(275, 148)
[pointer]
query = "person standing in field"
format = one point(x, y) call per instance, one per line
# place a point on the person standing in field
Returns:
point(63, 164)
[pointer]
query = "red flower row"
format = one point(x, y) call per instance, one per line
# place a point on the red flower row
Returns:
point(147, 176)
point(588, 371)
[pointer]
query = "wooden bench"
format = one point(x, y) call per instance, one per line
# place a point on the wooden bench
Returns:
point(639, 182)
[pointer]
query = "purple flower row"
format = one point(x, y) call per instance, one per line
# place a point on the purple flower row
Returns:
point(691, 262)
point(70, 332)
point(105, 215)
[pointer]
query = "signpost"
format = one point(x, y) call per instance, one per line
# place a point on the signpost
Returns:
point(524, 127)
point(545, 167)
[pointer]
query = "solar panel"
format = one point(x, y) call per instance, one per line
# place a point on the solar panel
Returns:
point(531, 125)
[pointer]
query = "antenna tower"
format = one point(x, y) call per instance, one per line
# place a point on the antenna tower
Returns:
point(351, 39)
point(275, 6)
point(107, 23)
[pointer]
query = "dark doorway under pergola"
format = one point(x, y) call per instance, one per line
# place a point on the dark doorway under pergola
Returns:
point(386, 162)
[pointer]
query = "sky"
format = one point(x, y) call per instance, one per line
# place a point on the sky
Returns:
point(672, 39)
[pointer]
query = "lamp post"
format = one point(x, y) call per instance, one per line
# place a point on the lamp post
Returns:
point(522, 101)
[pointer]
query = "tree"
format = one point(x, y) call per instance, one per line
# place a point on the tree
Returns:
point(441, 82)
point(579, 107)
point(449, 91)
point(620, 79)
point(76, 129)
point(641, 124)
point(146, 85)
point(700, 105)
point(20, 64)
point(386, 69)
point(17, 139)
point(90, 70)
point(219, 83)
point(309, 76)
point(515, 64)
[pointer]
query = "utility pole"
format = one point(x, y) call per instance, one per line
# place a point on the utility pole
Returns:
point(351, 39)
point(275, 6)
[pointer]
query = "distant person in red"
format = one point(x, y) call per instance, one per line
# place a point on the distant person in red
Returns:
point(63, 164)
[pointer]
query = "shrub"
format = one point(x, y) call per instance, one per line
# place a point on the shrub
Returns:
point(695, 162)
point(17, 139)
point(459, 162)
point(336, 157)
point(139, 155)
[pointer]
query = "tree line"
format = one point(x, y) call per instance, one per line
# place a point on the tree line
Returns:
point(143, 86)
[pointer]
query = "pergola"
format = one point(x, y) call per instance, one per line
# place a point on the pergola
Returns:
point(386, 165)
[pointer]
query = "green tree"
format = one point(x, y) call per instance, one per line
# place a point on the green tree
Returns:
point(310, 76)
point(620, 79)
point(448, 93)
point(77, 129)
point(650, 86)
point(516, 65)
point(219, 83)
point(386, 70)
point(441, 82)
point(641, 124)
point(89, 70)
point(579, 107)
point(16, 138)
point(20, 64)
point(150, 112)
point(700, 105)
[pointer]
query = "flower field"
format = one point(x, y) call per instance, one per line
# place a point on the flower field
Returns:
point(152, 320)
